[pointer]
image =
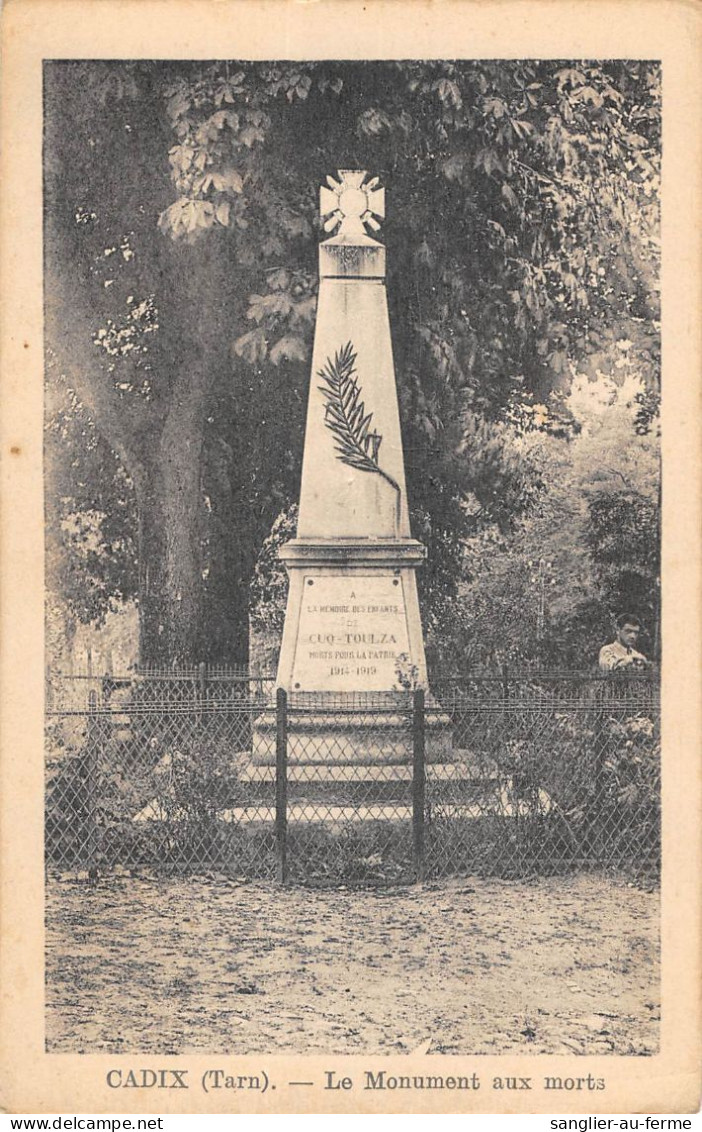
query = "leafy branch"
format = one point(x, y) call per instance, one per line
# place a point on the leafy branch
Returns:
point(345, 416)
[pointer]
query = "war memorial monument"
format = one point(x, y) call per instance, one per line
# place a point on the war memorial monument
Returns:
point(352, 623)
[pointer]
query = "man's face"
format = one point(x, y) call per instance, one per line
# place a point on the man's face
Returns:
point(629, 635)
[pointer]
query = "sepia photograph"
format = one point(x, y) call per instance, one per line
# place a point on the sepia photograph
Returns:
point(349, 616)
point(352, 473)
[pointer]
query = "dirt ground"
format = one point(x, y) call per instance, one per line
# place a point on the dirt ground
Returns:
point(558, 965)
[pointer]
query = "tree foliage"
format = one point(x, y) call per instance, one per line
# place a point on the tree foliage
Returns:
point(549, 591)
point(181, 289)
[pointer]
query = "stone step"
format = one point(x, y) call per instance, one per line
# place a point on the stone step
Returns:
point(351, 793)
point(359, 771)
point(500, 805)
point(357, 793)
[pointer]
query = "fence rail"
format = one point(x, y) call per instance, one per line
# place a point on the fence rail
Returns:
point(509, 775)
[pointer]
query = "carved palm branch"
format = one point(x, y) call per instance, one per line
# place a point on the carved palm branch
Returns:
point(345, 415)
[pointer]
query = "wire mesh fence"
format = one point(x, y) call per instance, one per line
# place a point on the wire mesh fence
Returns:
point(156, 772)
point(550, 772)
point(349, 787)
point(507, 775)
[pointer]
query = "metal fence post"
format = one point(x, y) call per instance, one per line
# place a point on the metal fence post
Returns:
point(418, 782)
point(201, 688)
point(92, 764)
point(601, 738)
point(281, 782)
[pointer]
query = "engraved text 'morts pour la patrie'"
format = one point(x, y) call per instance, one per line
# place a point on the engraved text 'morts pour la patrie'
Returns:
point(352, 622)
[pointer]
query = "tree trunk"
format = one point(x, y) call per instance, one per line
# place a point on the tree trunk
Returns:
point(226, 597)
point(169, 506)
point(159, 439)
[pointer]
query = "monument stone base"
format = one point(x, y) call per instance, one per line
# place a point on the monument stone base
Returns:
point(353, 738)
point(352, 647)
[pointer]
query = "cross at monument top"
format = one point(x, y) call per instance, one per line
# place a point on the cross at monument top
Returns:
point(351, 204)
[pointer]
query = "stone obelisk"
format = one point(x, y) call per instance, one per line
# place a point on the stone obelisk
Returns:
point(352, 621)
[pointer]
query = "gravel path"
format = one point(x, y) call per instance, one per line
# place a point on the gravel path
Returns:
point(559, 965)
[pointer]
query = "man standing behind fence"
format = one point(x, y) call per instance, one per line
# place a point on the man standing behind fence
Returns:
point(622, 654)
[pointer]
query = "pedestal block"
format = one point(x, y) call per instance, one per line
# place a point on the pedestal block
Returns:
point(352, 621)
point(352, 650)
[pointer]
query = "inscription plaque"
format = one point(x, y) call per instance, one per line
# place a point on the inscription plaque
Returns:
point(351, 631)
